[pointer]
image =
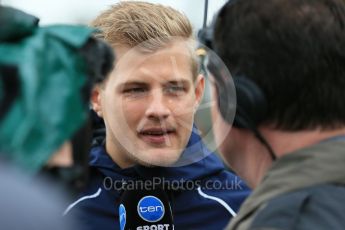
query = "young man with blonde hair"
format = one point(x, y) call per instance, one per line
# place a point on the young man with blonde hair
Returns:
point(148, 104)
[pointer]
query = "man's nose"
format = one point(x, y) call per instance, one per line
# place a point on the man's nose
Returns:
point(157, 108)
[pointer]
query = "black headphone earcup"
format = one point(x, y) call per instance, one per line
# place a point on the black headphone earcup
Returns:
point(226, 103)
point(241, 102)
point(250, 107)
point(251, 103)
point(224, 86)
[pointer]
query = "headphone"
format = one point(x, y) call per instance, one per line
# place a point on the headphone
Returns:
point(251, 102)
point(250, 107)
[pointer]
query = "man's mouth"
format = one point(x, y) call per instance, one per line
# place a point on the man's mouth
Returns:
point(157, 135)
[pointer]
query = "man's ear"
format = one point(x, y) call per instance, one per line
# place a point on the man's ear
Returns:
point(96, 101)
point(199, 89)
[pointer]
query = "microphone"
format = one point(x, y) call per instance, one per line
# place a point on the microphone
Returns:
point(145, 209)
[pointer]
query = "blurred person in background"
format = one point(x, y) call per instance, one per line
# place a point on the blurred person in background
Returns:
point(287, 59)
point(46, 76)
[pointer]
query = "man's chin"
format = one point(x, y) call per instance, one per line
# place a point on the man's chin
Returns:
point(159, 160)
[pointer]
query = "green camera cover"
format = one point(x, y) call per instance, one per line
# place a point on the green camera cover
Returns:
point(49, 107)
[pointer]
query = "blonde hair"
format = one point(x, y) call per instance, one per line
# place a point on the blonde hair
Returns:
point(135, 23)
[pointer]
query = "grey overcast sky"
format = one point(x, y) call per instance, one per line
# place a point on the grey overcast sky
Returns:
point(82, 12)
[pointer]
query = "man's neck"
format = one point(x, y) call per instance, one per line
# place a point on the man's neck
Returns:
point(118, 155)
point(250, 159)
point(255, 159)
point(284, 142)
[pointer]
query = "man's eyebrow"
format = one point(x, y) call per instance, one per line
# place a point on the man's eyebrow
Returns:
point(132, 83)
point(178, 82)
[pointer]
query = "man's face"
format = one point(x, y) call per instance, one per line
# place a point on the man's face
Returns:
point(228, 142)
point(148, 105)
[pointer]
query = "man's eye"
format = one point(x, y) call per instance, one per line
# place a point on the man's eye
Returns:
point(136, 90)
point(175, 89)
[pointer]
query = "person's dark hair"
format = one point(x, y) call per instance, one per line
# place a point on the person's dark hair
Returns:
point(294, 50)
